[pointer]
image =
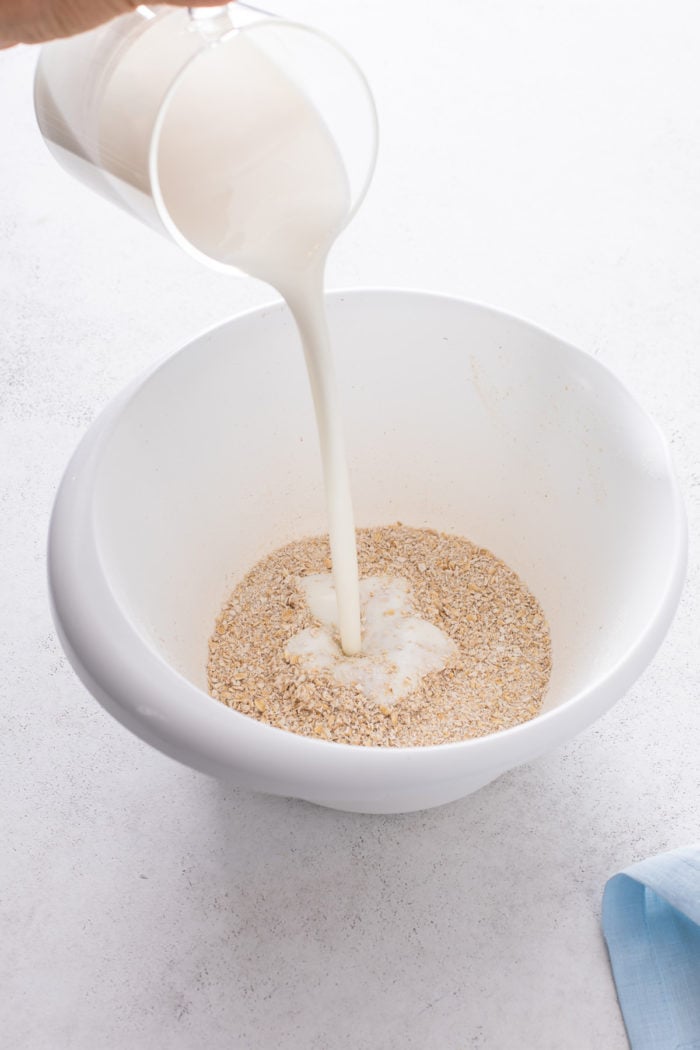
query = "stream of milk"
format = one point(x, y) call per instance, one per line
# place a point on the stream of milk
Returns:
point(273, 197)
point(273, 194)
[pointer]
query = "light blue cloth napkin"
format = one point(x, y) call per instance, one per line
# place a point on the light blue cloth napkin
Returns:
point(651, 922)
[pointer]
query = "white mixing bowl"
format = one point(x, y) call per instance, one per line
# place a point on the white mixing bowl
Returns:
point(458, 418)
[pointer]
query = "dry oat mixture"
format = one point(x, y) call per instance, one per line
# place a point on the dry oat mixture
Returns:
point(496, 680)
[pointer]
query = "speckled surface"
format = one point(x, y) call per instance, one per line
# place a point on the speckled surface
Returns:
point(543, 158)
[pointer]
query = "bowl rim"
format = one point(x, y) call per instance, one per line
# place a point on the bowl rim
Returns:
point(98, 635)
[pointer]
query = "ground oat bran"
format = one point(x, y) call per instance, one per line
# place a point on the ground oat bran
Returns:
point(497, 679)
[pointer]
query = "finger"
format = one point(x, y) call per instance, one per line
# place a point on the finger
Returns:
point(35, 21)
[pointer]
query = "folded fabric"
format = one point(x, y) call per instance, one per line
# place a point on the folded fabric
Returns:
point(651, 923)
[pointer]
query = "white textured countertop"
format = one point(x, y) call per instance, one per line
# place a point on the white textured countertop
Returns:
point(540, 157)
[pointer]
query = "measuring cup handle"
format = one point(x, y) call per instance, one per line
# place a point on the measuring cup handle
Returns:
point(215, 15)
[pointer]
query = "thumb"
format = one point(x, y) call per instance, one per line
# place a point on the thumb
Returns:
point(36, 21)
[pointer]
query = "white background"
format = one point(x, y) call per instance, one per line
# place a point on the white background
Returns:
point(537, 155)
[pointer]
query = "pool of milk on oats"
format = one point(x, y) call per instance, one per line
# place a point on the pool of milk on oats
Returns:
point(272, 196)
point(398, 647)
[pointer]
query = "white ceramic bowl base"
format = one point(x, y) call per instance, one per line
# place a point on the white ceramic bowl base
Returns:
point(457, 418)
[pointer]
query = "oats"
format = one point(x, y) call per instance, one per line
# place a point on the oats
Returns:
point(497, 680)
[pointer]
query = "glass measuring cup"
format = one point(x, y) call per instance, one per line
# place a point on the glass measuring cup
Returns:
point(105, 102)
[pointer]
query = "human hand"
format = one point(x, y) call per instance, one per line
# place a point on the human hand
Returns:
point(34, 21)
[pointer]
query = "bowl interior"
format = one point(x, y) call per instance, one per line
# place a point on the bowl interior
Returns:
point(457, 418)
